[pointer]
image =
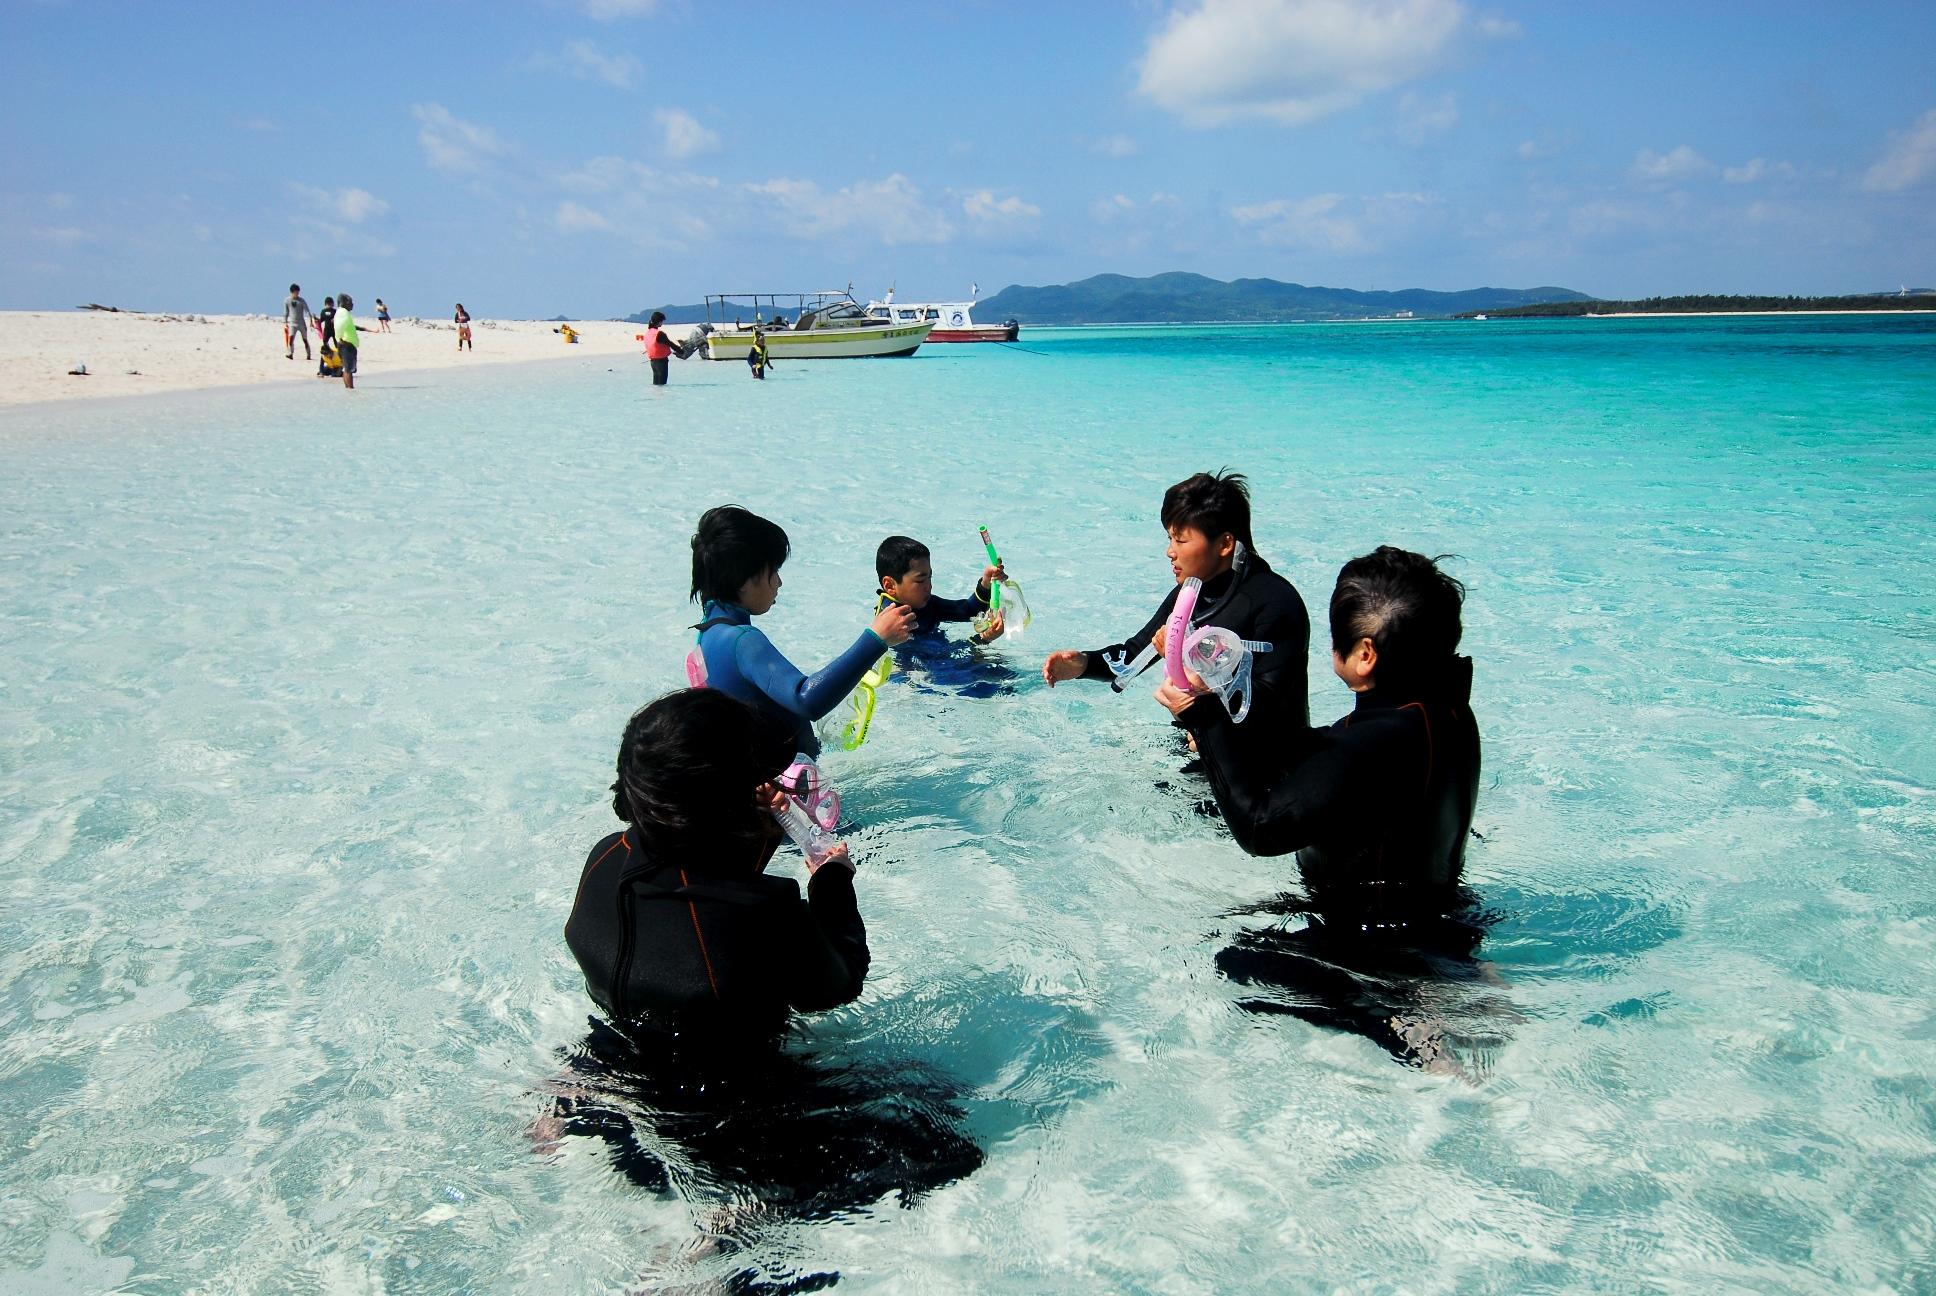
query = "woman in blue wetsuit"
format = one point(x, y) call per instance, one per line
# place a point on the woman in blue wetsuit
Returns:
point(736, 558)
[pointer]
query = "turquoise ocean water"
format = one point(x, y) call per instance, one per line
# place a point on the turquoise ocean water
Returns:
point(309, 702)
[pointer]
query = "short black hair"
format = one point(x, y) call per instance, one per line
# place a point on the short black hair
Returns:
point(687, 768)
point(1404, 604)
point(658, 318)
point(343, 300)
point(896, 554)
point(295, 287)
point(1212, 503)
point(730, 547)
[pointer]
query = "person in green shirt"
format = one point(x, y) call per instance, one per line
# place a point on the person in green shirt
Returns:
point(347, 338)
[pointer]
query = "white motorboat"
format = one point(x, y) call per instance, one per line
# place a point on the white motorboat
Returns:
point(953, 321)
point(822, 326)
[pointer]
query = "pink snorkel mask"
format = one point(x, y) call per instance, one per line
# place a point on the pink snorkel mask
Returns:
point(804, 782)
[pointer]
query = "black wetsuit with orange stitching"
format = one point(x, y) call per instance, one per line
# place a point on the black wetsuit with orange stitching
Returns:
point(692, 949)
point(1378, 806)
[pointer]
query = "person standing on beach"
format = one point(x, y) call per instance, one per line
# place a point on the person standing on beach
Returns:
point(382, 316)
point(295, 323)
point(326, 332)
point(658, 348)
point(463, 321)
point(347, 338)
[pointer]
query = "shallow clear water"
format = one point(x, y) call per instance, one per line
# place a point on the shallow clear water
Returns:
point(309, 700)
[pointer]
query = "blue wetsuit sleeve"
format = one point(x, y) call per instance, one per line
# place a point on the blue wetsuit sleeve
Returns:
point(806, 696)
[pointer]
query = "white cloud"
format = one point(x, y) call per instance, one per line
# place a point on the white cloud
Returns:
point(1313, 222)
point(1332, 222)
point(1679, 163)
point(1422, 117)
point(587, 62)
point(1292, 61)
point(570, 218)
point(684, 136)
point(453, 145)
point(1533, 150)
point(1909, 159)
point(891, 210)
point(1112, 208)
point(1498, 28)
point(1757, 169)
point(982, 205)
point(1113, 146)
point(353, 206)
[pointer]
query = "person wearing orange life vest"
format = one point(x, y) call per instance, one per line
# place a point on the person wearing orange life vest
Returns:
point(658, 348)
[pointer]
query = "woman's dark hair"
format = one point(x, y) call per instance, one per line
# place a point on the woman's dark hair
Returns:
point(896, 555)
point(687, 769)
point(731, 547)
point(658, 318)
point(1212, 503)
point(1404, 604)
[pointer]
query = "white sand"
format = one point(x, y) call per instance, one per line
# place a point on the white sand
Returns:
point(186, 352)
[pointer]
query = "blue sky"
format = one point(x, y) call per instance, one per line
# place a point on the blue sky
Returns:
point(597, 156)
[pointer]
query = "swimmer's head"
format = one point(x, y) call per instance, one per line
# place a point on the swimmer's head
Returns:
point(1394, 617)
point(1207, 516)
point(688, 768)
point(736, 558)
point(906, 571)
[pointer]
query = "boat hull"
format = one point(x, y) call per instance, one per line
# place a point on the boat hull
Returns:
point(977, 333)
point(822, 344)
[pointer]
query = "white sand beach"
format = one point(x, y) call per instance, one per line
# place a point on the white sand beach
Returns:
point(128, 354)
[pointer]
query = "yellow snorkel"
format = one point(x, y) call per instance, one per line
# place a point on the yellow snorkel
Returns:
point(862, 700)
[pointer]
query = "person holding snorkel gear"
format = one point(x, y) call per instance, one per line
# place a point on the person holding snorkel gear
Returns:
point(905, 570)
point(1207, 519)
point(736, 559)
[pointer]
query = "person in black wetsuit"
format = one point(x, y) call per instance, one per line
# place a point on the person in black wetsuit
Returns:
point(1378, 806)
point(676, 921)
point(698, 960)
point(1207, 518)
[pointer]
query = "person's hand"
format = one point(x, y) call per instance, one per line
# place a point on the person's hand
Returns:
point(1175, 700)
point(1064, 664)
point(997, 622)
point(768, 797)
point(1161, 638)
point(894, 623)
point(839, 856)
point(990, 575)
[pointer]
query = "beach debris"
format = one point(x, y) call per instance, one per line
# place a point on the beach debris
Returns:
point(78, 371)
point(116, 310)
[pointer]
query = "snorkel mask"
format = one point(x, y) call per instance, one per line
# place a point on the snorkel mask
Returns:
point(804, 782)
point(998, 592)
point(1223, 662)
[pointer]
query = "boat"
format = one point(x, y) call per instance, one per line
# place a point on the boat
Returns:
point(821, 326)
point(953, 321)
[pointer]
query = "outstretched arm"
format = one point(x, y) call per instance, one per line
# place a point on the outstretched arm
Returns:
point(807, 696)
point(1095, 668)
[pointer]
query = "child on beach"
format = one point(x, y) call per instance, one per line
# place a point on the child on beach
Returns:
point(328, 364)
point(463, 321)
point(382, 316)
point(736, 558)
point(906, 573)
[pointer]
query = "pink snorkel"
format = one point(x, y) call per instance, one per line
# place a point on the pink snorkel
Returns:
point(1179, 630)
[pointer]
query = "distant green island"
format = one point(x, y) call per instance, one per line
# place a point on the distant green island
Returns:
point(1914, 299)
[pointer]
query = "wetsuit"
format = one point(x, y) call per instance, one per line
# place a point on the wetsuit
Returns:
point(686, 948)
point(326, 322)
point(1261, 606)
point(929, 617)
point(948, 664)
point(742, 663)
point(1378, 806)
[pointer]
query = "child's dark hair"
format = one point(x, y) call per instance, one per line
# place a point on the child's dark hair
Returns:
point(1404, 604)
point(896, 554)
point(295, 287)
point(329, 301)
point(731, 547)
point(687, 769)
point(1212, 503)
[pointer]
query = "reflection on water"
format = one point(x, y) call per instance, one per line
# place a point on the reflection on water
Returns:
point(1415, 988)
point(758, 1136)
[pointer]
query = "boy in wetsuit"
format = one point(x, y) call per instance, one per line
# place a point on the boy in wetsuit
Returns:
point(906, 573)
point(1207, 519)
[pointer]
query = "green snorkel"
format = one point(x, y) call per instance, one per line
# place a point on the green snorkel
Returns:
point(995, 589)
